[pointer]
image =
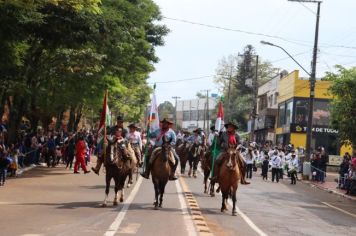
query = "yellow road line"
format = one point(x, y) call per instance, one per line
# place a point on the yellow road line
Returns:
point(198, 219)
point(339, 209)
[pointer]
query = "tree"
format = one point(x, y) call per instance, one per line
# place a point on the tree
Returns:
point(62, 55)
point(165, 110)
point(343, 105)
point(239, 69)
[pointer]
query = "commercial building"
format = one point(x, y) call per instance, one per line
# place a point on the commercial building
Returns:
point(195, 113)
point(267, 108)
point(293, 107)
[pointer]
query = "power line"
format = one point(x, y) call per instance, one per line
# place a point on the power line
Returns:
point(306, 7)
point(293, 41)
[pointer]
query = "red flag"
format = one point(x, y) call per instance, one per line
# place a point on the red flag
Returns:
point(219, 123)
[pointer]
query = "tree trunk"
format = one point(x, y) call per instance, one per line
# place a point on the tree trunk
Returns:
point(78, 118)
point(59, 120)
point(17, 111)
point(71, 119)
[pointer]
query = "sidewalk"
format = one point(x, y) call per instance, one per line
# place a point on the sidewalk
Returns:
point(330, 185)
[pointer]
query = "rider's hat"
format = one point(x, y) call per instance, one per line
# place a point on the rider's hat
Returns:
point(166, 120)
point(132, 126)
point(197, 130)
point(212, 128)
point(119, 118)
point(232, 124)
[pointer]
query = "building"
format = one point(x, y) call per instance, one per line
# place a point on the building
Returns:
point(267, 108)
point(193, 113)
point(292, 119)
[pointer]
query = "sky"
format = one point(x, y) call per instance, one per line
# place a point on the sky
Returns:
point(194, 51)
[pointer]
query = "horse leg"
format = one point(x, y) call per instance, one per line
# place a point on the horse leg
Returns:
point(130, 179)
point(212, 192)
point(223, 204)
point(195, 167)
point(162, 187)
point(116, 193)
point(131, 176)
point(156, 195)
point(234, 203)
point(122, 195)
point(190, 167)
point(107, 188)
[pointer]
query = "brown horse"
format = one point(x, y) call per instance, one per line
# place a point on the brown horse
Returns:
point(206, 167)
point(183, 153)
point(229, 177)
point(118, 165)
point(161, 170)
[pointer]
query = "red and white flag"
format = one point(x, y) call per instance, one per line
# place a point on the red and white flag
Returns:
point(153, 118)
point(219, 123)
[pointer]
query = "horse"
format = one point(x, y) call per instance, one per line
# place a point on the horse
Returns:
point(183, 152)
point(229, 177)
point(206, 168)
point(117, 164)
point(133, 165)
point(161, 170)
point(194, 158)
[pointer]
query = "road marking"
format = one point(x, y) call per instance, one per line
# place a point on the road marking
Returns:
point(339, 209)
point(243, 216)
point(186, 216)
point(118, 220)
point(130, 229)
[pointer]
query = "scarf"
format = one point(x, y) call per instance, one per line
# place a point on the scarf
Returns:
point(232, 139)
point(163, 132)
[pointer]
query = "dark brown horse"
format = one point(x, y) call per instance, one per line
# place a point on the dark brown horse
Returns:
point(183, 153)
point(229, 177)
point(206, 167)
point(194, 156)
point(161, 170)
point(117, 163)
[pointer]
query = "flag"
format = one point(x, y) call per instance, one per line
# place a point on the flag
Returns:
point(105, 119)
point(153, 121)
point(219, 123)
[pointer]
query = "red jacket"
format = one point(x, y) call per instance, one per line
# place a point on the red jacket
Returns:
point(80, 149)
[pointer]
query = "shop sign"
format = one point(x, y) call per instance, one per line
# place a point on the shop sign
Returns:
point(335, 160)
point(296, 128)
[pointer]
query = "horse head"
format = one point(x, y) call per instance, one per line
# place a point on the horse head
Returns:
point(166, 147)
point(232, 153)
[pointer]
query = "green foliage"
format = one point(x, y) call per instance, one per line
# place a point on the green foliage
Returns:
point(240, 69)
point(343, 106)
point(63, 54)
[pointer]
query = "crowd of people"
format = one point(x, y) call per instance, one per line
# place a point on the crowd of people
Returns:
point(347, 173)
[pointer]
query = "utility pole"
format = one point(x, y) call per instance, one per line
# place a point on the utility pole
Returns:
point(175, 111)
point(312, 79)
point(228, 96)
point(207, 110)
point(255, 93)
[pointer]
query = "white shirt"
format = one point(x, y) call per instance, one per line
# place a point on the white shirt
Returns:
point(134, 138)
point(250, 157)
point(276, 161)
point(211, 139)
point(293, 164)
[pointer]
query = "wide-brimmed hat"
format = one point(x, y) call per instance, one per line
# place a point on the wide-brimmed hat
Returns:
point(186, 132)
point(197, 130)
point(232, 124)
point(132, 126)
point(166, 120)
point(119, 118)
point(212, 128)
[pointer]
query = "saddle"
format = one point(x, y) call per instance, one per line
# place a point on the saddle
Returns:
point(154, 156)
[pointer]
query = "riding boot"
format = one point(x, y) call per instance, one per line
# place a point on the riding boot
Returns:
point(174, 167)
point(146, 174)
point(96, 169)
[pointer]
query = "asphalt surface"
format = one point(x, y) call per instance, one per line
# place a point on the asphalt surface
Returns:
point(54, 201)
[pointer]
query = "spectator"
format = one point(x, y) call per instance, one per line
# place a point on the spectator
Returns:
point(70, 153)
point(265, 164)
point(80, 155)
point(4, 165)
point(343, 172)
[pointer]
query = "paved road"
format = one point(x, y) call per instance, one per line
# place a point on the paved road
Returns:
point(47, 201)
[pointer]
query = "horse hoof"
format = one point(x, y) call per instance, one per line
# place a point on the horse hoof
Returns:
point(212, 194)
point(115, 203)
point(234, 213)
point(222, 209)
point(121, 200)
point(156, 207)
point(104, 205)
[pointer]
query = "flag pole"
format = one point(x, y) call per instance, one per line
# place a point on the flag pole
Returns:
point(147, 136)
point(215, 140)
point(105, 141)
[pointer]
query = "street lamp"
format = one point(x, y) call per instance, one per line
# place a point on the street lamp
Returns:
point(277, 46)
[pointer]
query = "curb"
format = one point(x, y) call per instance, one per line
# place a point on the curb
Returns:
point(328, 190)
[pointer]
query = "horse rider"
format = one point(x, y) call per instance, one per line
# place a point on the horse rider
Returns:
point(211, 136)
point(226, 138)
point(119, 132)
point(134, 137)
point(167, 132)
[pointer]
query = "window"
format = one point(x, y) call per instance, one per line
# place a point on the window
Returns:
point(301, 112)
point(186, 115)
point(281, 114)
point(289, 113)
point(321, 113)
point(194, 115)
